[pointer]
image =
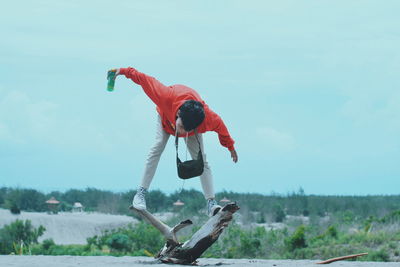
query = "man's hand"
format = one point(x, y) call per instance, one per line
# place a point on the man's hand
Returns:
point(234, 156)
point(116, 72)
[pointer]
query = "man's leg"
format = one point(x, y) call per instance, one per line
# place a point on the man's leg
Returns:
point(151, 165)
point(206, 178)
point(154, 155)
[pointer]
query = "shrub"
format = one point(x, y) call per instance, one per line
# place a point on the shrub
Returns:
point(279, 213)
point(18, 233)
point(47, 244)
point(248, 246)
point(14, 209)
point(297, 240)
point(136, 240)
point(379, 255)
point(119, 242)
point(332, 231)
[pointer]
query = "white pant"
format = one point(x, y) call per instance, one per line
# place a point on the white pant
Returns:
point(193, 147)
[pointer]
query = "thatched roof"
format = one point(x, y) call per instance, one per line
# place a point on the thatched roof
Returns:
point(53, 200)
point(225, 200)
point(178, 203)
point(78, 205)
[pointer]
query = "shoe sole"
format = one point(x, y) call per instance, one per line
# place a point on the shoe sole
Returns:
point(138, 207)
point(216, 211)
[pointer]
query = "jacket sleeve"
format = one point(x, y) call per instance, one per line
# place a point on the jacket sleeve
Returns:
point(154, 89)
point(223, 135)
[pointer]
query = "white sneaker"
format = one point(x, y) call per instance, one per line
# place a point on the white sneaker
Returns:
point(139, 202)
point(212, 207)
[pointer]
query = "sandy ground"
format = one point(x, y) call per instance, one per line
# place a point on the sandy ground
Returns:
point(67, 227)
point(106, 261)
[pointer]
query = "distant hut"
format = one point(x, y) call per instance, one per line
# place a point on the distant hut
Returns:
point(52, 205)
point(178, 205)
point(224, 201)
point(77, 207)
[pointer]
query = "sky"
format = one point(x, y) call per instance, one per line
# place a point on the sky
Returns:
point(309, 91)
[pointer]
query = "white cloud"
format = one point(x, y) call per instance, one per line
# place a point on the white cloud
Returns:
point(25, 120)
point(380, 109)
point(273, 139)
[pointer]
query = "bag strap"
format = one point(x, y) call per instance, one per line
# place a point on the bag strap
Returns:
point(176, 141)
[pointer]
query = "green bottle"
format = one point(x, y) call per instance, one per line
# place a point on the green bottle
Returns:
point(111, 80)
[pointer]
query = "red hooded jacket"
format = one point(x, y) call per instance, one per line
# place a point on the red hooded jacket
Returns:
point(168, 100)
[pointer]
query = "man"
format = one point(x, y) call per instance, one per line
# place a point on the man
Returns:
point(181, 111)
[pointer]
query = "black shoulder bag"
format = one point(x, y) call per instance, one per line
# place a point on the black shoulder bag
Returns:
point(190, 168)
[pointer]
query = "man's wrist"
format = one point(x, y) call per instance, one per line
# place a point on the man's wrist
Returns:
point(122, 71)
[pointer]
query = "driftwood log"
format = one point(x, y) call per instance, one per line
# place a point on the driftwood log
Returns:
point(342, 258)
point(189, 251)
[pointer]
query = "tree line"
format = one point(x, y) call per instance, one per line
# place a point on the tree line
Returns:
point(257, 207)
point(337, 225)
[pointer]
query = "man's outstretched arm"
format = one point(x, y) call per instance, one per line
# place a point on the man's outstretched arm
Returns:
point(154, 89)
point(224, 137)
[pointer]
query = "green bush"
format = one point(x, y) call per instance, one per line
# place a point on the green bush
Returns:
point(58, 250)
point(297, 240)
point(47, 244)
point(278, 213)
point(14, 209)
point(119, 242)
point(392, 217)
point(18, 234)
point(332, 231)
point(379, 255)
point(129, 240)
